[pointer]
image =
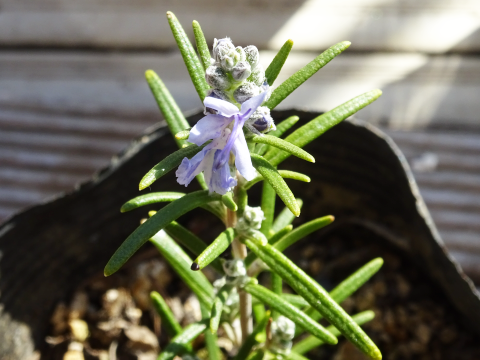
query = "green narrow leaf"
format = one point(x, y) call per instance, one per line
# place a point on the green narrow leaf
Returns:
point(282, 127)
point(251, 340)
point(151, 198)
point(285, 218)
point(162, 218)
point(282, 145)
point(302, 75)
point(258, 311)
point(179, 343)
point(302, 231)
point(228, 201)
point(316, 127)
point(277, 63)
point(295, 300)
point(190, 241)
point(217, 307)
point(273, 177)
point(351, 284)
point(273, 239)
point(171, 112)
point(310, 343)
point(286, 174)
point(195, 69)
point(294, 356)
point(268, 207)
point(214, 250)
point(316, 296)
point(202, 46)
point(277, 303)
point(171, 162)
point(172, 326)
point(180, 262)
point(211, 340)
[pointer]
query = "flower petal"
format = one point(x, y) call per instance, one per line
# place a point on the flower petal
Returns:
point(207, 128)
point(220, 180)
point(188, 169)
point(223, 107)
point(243, 161)
point(249, 106)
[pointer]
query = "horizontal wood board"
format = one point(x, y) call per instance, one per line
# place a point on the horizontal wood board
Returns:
point(430, 26)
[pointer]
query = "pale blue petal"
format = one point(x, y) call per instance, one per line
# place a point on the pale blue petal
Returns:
point(220, 179)
point(243, 161)
point(208, 128)
point(223, 107)
point(249, 106)
point(188, 169)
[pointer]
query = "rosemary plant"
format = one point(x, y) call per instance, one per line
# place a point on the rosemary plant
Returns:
point(228, 151)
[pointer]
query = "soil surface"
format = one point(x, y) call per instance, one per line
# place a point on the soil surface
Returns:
point(112, 318)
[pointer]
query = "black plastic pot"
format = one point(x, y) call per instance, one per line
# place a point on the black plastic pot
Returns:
point(359, 176)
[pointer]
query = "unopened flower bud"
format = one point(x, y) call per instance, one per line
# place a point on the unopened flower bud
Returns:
point(241, 71)
point(225, 54)
point(246, 91)
point(252, 55)
point(216, 77)
point(283, 331)
point(221, 48)
point(252, 219)
point(234, 268)
point(257, 76)
point(241, 53)
point(260, 122)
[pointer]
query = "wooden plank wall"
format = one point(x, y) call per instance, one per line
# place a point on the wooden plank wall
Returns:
point(72, 92)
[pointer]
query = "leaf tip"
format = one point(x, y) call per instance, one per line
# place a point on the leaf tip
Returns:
point(170, 15)
point(107, 271)
point(331, 218)
point(195, 267)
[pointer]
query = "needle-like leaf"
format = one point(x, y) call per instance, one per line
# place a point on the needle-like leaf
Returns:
point(179, 343)
point(194, 67)
point(151, 198)
point(277, 303)
point(181, 262)
point(202, 46)
point(282, 127)
point(171, 112)
point(217, 307)
point(286, 174)
point(171, 325)
point(285, 217)
point(214, 250)
point(302, 75)
point(316, 127)
point(153, 225)
point(311, 342)
point(252, 338)
point(276, 65)
point(282, 145)
point(273, 177)
point(302, 231)
point(190, 241)
point(316, 296)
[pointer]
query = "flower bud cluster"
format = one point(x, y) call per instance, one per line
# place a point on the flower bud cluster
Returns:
point(236, 75)
point(252, 219)
point(283, 331)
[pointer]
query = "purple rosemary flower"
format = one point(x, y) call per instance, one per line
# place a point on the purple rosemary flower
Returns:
point(225, 129)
